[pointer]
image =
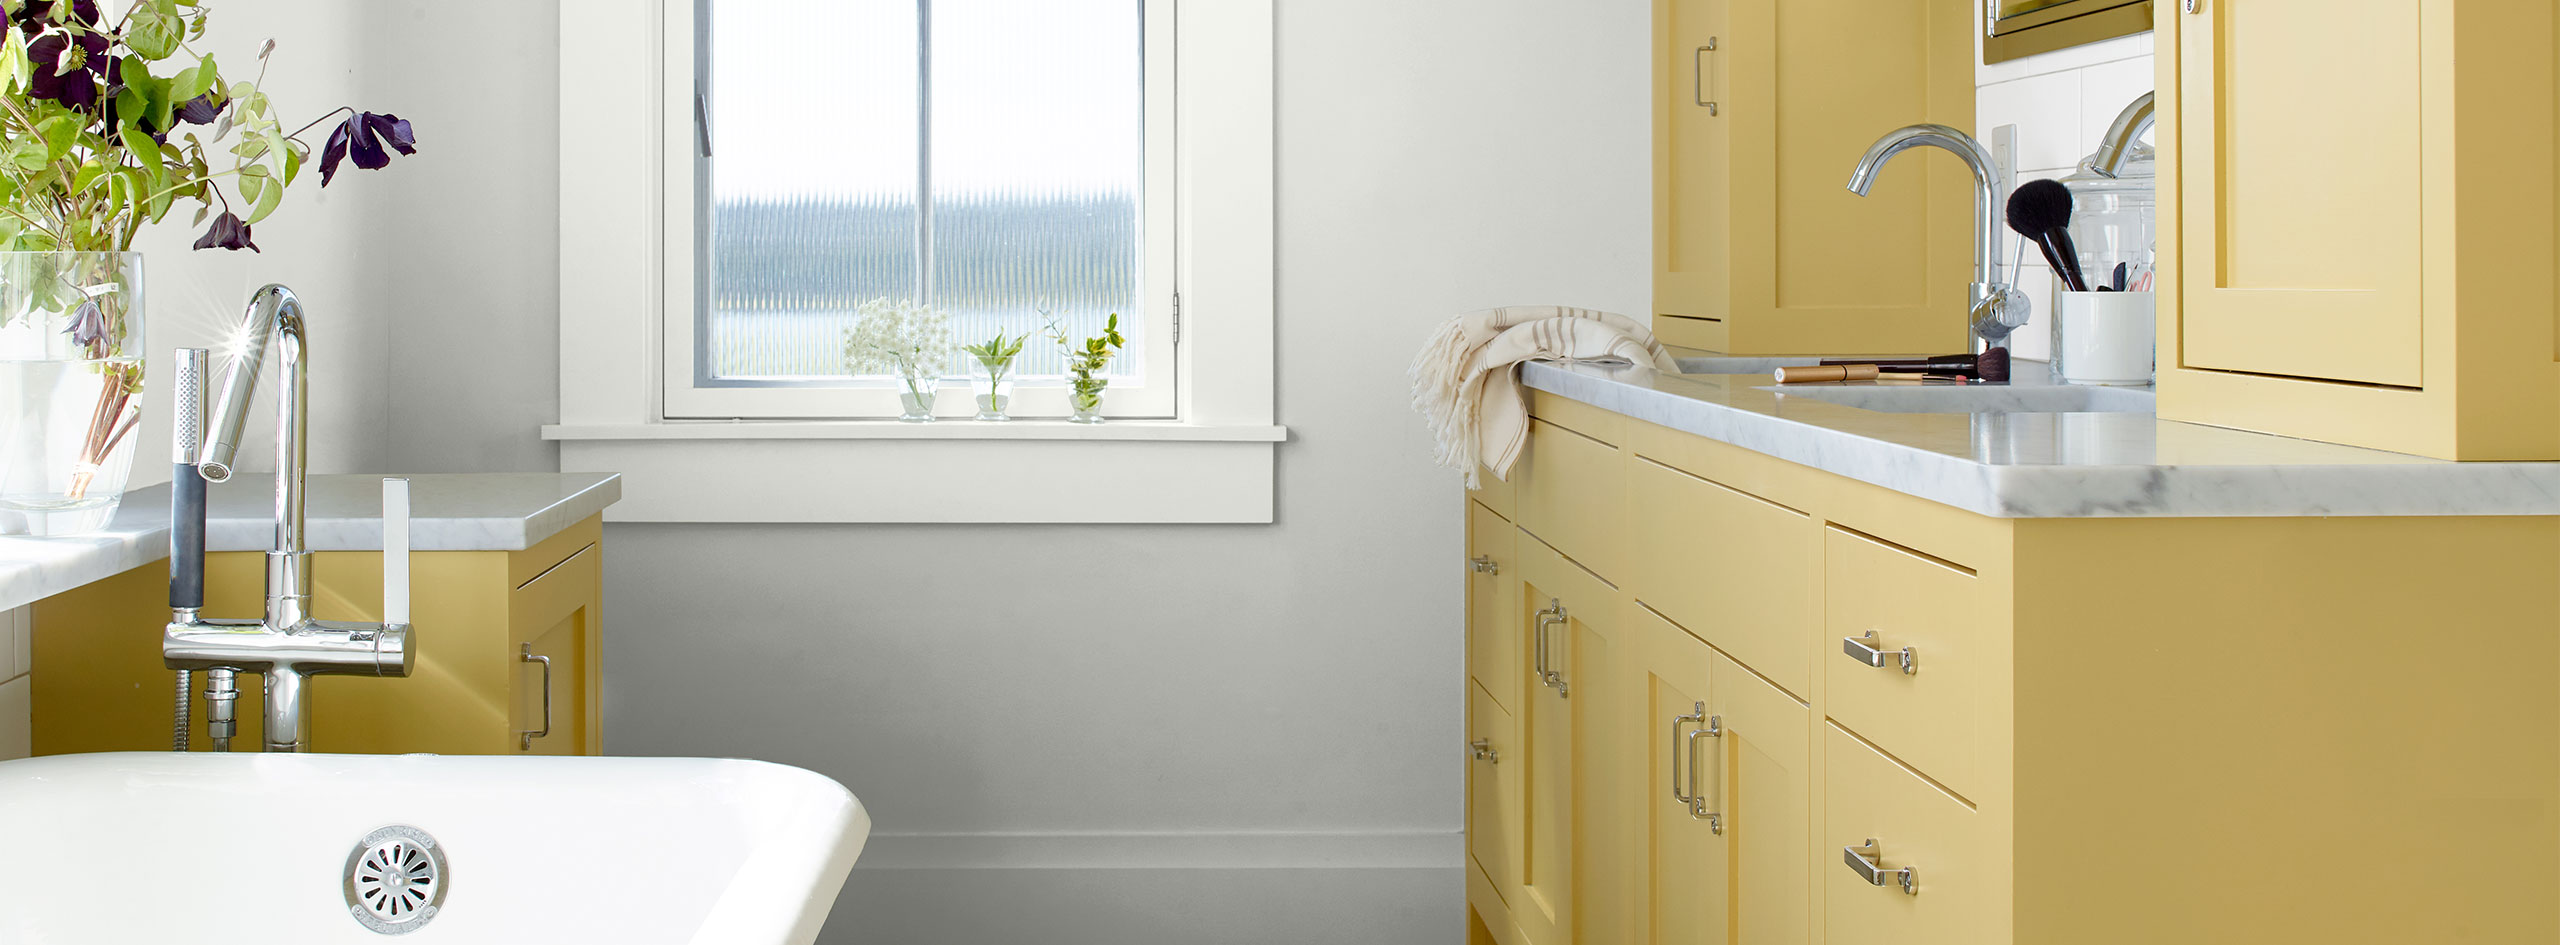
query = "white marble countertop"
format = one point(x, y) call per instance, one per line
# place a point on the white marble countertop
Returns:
point(2055, 465)
point(449, 512)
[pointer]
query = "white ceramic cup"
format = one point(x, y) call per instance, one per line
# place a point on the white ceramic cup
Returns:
point(2104, 338)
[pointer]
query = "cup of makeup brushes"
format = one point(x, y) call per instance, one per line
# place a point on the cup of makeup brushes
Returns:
point(2104, 338)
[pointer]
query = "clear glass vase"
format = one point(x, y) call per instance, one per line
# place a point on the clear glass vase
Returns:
point(1085, 398)
point(915, 398)
point(71, 344)
point(992, 390)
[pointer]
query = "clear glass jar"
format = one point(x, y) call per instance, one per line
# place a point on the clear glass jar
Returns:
point(71, 346)
point(915, 398)
point(2115, 225)
point(992, 390)
point(1085, 398)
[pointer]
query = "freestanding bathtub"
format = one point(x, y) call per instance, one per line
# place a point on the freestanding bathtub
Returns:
point(272, 849)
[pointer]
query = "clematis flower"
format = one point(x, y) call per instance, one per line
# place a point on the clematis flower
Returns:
point(201, 110)
point(227, 232)
point(364, 135)
point(88, 325)
point(76, 87)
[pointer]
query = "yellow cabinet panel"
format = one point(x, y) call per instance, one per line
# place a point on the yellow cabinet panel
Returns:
point(1764, 773)
point(1574, 496)
point(1493, 792)
point(1688, 860)
point(2301, 257)
point(1732, 568)
point(1760, 110)
point(1913, 826)
point(1492, 631)
point(1926, 618)
point(555, 707)
point(1542, 901)
point(1580, 757)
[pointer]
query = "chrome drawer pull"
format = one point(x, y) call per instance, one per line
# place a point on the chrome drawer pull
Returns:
point(1484, 564)
point(1698, 714)
point(528, 656)
point(1864, 650)
point(1698, 798)
point(1482, 750)
point(1698, 77)
point(1547, 673)
point(1858, 858)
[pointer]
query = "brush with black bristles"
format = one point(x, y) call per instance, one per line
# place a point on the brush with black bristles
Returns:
point(2040, 210)
point(1991, 365)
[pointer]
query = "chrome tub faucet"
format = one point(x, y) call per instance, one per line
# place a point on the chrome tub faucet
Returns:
point(1996, 308)
point(287, 646)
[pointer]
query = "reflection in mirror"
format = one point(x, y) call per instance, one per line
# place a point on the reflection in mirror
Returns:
point(2020, 28)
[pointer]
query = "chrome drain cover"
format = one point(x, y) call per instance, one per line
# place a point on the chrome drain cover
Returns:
point(395, 880)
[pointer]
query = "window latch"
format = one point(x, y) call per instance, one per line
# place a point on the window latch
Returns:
point(702, 122)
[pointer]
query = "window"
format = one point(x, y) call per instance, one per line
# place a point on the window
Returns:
point(759, 438)
point(995, 159)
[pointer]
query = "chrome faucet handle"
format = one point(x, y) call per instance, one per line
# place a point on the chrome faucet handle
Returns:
point(1998, 310)
point(395, 552)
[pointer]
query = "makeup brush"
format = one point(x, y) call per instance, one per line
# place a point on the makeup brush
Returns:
point(1992, 365)
point(2040, 210)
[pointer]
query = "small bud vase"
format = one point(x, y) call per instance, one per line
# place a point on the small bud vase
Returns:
point(994, 396)
point(1085, 398)
point(915, 398)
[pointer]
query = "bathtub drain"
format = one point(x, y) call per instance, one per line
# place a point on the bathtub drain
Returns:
point(395, 880)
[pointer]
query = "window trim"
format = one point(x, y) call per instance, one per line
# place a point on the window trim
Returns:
point(1153, 396)
point(617, 269)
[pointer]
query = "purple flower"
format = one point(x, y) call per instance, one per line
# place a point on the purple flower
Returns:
point(77, 88)
point(227, 232)
point(88, 325)
point(201, 110)
point(365, 134)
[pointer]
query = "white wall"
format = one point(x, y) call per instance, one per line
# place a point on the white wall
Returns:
point(2061, 102)
point(1066, 734)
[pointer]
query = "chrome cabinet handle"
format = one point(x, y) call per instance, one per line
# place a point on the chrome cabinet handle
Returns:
point(1482, 750)
point(1484, 564)
point(1698, 77)
point(1863, 648)
point(528, 656)
point(1862, 861)
point(1547, 673)
point(1698, 714)
point(1698, 798)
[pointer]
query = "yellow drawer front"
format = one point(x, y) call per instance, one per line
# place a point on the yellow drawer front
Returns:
point(1897, 821)
point(1492, 637)
point(1493, 792)
point(1574, 497)
point(1923, 618)
point(1492, 490)
point(1734, 569)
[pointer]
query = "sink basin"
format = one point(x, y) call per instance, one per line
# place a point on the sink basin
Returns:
point(1974, 398)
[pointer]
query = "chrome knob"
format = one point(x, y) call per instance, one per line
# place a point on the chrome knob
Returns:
point(1484, 564)
point(1482, 750)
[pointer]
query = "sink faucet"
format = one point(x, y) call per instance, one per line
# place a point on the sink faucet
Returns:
point(2118, 146)
point(1996, 309)
point(288, 645)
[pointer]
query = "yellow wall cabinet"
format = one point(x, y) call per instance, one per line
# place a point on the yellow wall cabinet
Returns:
point(1805, 709)
point(1761, 107)
point(2359, 247)
point(485, 622)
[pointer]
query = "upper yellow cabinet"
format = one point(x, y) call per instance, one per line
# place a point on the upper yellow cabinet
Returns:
point(2357, 235)
point(1761, 107)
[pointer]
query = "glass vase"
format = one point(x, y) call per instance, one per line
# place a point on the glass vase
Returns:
point(915, 398)
point(1085, 398)
point(993, 393)
point(71, 343)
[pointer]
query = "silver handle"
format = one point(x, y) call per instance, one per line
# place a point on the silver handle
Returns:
point(1862, 860)
point(1484, 564)
point(1540, 638)
point(1555, 677)
point(1697, 797)
point(1863, 648)
point(528, 656)
point(1698, 714)
point(1482, 750)
point(1698, 77)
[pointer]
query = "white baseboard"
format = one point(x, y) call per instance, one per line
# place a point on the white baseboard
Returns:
point(1167, 850)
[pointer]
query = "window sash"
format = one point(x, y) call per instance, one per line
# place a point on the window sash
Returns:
point(1150, 395)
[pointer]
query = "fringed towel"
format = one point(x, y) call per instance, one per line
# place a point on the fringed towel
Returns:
point(1466, 380)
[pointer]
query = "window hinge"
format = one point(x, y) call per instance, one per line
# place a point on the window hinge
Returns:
point(1177, 317)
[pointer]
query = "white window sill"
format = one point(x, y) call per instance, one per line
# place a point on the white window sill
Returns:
point(1025, 472)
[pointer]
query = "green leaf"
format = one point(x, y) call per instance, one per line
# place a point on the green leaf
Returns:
point(153, 34)
point(270, 194)
point(145, 151)
point(14, 66)
point(292, 162)
point(59, 131)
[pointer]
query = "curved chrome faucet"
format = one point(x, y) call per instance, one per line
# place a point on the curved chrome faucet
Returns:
point(288, 646)
point(2118, 146)
point(1996, 309)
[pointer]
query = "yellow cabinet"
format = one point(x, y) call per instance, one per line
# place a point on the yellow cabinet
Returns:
point(1493, 792)
point(1576, 755)
point(1760, 110)
point(473, 692)
point(1906, 858)
point(2360, 247)
point(1492, 624)
point(1726, 815)
point(1735, 569)
point(1906, 665)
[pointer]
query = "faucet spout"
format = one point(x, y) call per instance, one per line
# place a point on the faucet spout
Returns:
point(2117, 147)
point(1997, 310)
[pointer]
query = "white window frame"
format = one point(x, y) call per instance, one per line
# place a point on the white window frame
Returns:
point(626, 268)
point(1154, 327)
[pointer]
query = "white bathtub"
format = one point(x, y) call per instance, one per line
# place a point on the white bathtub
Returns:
point(250, 848)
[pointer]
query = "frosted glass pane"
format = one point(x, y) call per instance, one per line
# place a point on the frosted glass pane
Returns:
point(813, 177)
point(1038, 169)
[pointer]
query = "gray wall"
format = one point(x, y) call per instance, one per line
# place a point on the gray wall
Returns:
point(1130, 688)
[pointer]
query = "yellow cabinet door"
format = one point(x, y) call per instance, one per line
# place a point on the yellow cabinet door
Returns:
point(1908, 658)
point(1728, 799)
point(1541, 900)
point(553, 704)
point(1761, 109)
point(1580, 757)
point(2299, 254)
point(1491, 624)
point(1493, 791)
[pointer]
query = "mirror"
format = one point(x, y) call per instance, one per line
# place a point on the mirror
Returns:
point(2020, 28)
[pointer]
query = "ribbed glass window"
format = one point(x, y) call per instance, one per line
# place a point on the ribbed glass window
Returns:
point(983, 156)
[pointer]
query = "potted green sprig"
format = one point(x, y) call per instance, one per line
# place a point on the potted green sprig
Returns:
point(905, 339)
point(1085, 363)
point(994, 379)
